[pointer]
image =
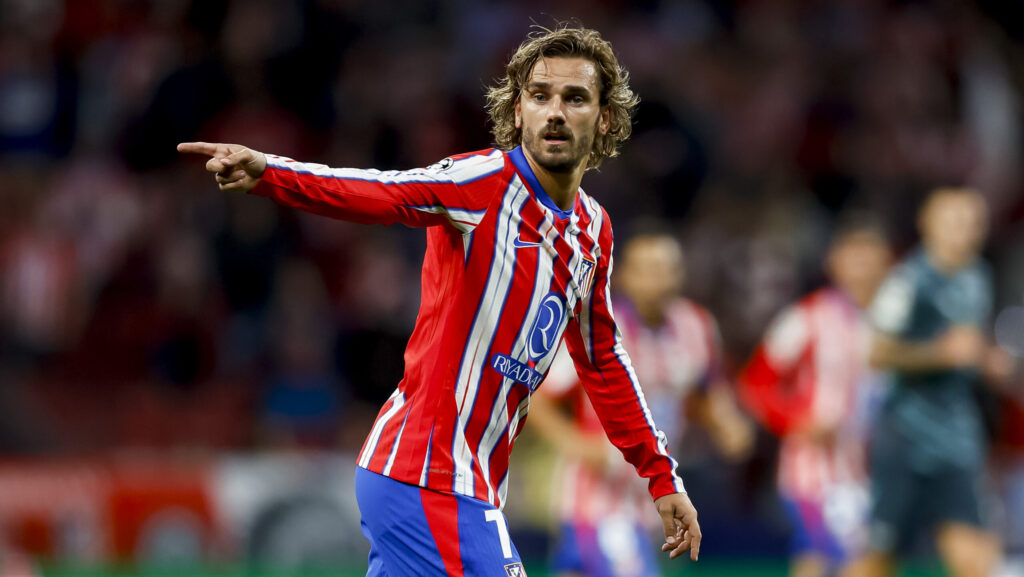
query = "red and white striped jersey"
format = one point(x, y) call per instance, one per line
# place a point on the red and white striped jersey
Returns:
point(811, 372)
point(506, 274)
point(672, 361)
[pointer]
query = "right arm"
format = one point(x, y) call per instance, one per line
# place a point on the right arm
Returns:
point(451, 194)
point(961, 346)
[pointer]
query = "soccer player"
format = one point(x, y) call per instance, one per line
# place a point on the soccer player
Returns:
point(809, 382)
point(928, 446)
point(517, 257)
point(604, 526)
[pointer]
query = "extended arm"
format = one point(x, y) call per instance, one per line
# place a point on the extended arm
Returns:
point(454, 193)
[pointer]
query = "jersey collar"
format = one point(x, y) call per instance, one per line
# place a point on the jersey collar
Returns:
point(524, 169)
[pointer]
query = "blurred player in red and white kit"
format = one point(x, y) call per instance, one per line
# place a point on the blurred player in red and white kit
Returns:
point(809, 383)
point(517, 257)
point(604, 530)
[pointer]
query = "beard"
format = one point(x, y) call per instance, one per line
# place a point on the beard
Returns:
point(558, 158)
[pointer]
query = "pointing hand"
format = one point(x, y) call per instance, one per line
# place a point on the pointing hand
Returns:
point(236, 168)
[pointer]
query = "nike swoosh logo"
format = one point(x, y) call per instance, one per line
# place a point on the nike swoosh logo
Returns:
point(523, 244)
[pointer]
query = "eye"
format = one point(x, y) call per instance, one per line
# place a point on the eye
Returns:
point(577, 99)
point(537, 96)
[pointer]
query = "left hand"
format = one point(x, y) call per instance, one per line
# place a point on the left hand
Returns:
point(679, 518)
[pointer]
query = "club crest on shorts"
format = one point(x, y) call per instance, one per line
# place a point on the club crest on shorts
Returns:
point(515, 570)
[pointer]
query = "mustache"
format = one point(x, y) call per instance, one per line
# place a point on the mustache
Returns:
point(557, 132)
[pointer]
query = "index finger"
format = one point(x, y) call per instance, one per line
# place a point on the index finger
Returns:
point(695, 537)
point(199, 148)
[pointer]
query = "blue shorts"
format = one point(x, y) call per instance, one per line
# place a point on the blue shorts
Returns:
point(415, 531)
point(613, 548)
point(811, 534)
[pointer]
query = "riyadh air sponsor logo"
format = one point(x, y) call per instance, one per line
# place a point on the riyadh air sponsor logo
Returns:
point(544, 332)
point(520, 243)
point(515, 570)
point(516, 370)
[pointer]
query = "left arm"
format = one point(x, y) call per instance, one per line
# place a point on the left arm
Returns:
point(607, 375)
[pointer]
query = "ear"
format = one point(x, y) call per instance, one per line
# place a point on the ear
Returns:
point(519, 115)
point(604, 122)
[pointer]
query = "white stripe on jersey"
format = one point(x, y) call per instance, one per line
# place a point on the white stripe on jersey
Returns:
point(499, 410)
point(594, 231)
point(462, 171)
point(463, 220)
point(394, 448)
point(378, 427)
point(474, 358)
point(416, 175)
point(475, 167)
point(426, 460)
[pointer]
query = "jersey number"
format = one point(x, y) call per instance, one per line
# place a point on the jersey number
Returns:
point(499, 520)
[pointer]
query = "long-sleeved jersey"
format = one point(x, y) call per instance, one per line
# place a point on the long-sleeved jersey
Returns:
point(506, 275)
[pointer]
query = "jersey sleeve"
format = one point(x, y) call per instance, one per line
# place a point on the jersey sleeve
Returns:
point(454, 192)
point(892, 307)
point(766, 382)
point(607, 375)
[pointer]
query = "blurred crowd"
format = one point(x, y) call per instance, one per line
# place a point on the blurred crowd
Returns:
point(141, 308)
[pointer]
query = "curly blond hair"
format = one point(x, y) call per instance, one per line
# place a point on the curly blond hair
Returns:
point(566, 42)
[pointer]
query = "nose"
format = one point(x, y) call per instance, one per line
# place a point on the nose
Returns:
point(556, 110)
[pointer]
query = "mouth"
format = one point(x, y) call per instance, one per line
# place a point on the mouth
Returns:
point(556, 138)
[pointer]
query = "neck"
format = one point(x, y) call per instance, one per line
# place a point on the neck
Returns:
point(560, 186)
point(861, 296)
point(942, 264)
point(652, 314)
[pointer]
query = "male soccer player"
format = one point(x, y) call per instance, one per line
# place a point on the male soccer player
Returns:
point(518, 256)
point(604, 529)
point(809, 382)
point(928, 446)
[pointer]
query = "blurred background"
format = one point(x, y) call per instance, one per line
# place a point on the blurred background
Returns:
point(186, 375)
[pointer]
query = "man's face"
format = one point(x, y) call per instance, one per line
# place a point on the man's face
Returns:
point(652, 271)
point(559, 112)
point(953, 227)
point(858, 264)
